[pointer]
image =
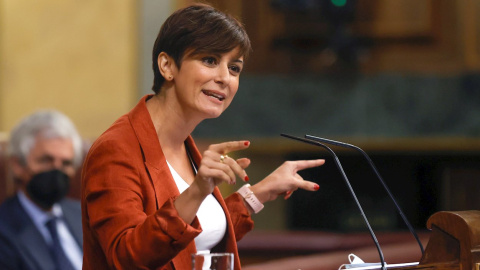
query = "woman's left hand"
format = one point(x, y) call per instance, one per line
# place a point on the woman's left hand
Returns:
point(285, 180)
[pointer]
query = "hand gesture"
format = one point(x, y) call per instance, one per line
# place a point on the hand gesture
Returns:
point(217, 167)
point(285, 179)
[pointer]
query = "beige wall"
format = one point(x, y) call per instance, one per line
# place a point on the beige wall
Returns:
point(79, 57)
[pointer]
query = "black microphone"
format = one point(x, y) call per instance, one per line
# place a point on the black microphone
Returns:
point(374, 168)
point(340, 168)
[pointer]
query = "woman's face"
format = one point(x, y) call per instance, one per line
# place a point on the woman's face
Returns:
point(206, 83)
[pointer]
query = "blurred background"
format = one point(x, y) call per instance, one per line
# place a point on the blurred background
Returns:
point(400, 79)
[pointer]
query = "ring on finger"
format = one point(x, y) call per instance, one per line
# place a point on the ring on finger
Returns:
point(222, 158)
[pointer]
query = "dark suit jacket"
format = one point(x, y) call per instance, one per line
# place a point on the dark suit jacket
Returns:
point(22, 246)
point(129, 219)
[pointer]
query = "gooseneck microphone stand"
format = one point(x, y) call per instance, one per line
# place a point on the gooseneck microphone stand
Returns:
point(374, 168)
point(340, 168)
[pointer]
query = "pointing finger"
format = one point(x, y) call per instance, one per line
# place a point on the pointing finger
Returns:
point(305, 164)
point(227, 147)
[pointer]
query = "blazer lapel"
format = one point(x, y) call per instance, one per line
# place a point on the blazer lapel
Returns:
point(34, 245)
point(163, 189)
point(30, 242)
point(154, 158)
point(156, 164)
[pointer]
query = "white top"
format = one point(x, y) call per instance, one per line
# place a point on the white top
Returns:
point(210, 215)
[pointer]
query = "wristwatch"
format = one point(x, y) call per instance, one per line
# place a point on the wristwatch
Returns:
point(250, 198)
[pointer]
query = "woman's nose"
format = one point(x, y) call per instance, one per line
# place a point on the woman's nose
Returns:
point(223, 75)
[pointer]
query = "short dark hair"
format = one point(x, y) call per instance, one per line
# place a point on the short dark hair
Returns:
point(198, 28)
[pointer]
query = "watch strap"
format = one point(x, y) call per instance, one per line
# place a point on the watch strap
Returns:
point(250, 198)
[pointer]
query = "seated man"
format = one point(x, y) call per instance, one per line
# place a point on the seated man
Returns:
point(39, 227)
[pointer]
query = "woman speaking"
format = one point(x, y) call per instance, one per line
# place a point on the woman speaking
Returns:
point(149, 198)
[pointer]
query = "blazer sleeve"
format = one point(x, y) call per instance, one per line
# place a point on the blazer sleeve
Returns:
point(121, 212)
point(241, 218)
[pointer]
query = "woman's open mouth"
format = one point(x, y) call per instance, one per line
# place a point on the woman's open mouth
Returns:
point(216, 95)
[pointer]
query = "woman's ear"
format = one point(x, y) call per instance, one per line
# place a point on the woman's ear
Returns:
point(166, 65)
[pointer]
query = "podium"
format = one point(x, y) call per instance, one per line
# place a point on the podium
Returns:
point(454, 242)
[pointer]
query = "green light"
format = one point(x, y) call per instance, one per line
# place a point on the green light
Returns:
point(339, 3)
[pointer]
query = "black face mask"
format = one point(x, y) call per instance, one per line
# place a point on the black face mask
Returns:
point(48, 187)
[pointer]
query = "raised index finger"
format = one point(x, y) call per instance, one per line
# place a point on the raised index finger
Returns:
point(227, 147)
point(305, 164)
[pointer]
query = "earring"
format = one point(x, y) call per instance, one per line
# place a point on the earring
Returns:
point(170, 77)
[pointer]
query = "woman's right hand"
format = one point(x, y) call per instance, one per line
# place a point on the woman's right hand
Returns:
point(215, 168)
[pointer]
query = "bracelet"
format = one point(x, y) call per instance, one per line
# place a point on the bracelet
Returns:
point(250, 198)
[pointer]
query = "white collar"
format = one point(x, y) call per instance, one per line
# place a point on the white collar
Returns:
point(37, 214)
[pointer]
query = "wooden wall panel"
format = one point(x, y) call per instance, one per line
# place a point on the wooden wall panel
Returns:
point(405, 36)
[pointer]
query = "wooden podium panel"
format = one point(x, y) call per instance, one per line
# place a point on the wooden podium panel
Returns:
point(454, 243)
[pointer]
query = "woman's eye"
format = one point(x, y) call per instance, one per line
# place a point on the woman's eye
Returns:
point(209, 60)
point(235, 69)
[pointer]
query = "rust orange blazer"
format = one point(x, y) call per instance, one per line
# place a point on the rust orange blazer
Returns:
point(128, 217)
